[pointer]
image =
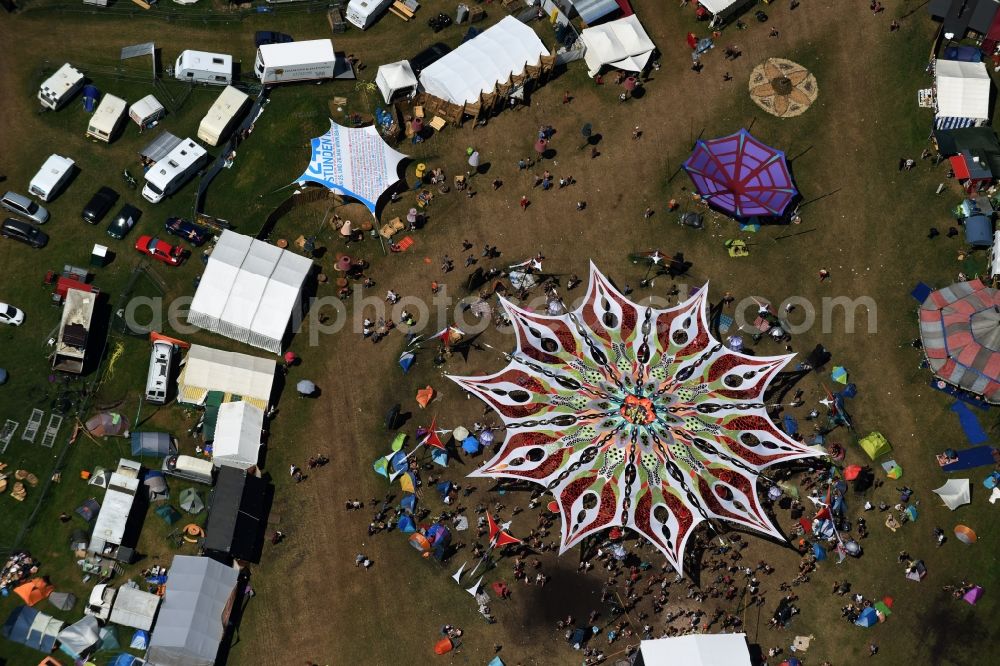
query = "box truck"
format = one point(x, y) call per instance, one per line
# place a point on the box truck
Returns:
point(204, 67)
point(225, 112)
point(170, 173)
point(60, 87)
point(362, 13)
point(312, 60)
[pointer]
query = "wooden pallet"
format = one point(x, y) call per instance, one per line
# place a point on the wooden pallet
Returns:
point(401, 10)
point(51, 430)
point(7, 434)
point(34, 423)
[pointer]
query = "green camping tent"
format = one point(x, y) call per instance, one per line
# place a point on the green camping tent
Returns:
point(169, 514)
point(875, 445)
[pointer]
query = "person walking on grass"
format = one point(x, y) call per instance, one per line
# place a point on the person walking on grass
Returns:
point(524, 203)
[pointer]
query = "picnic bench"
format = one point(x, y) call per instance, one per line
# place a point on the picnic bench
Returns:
point(402, 11)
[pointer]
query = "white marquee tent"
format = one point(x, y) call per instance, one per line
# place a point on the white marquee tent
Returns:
point(206, 369)
point(250, 291)
point(963, 94)
point(696, 650)
point(478, 65)
point(724, 7)
point(395, 77)
point(623, 44)
point(954, 493)
point(237, 435)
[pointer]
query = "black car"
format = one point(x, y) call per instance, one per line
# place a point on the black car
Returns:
point(24, 232)
point(126, 218)
point(189, 231)
point(428, 57)
point(263, 37)
point(99, 205)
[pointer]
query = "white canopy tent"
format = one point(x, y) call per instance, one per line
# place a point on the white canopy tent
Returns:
point(724, 8)
point(237, 435)
point(478, 65)
point(206, 369)
point(622, 43)
point(395, 77)
point(250, 291)
point(696, 650)
point(963, 94)
point(954, 493)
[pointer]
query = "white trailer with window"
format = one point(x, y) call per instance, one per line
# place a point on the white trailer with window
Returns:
point(146, 112)
point(225, 112)
point(171, 172)
point(107, 118)
point(51, 177)
point(204, 67)
point(310, 60)
point(363, 13)
point(60, 87)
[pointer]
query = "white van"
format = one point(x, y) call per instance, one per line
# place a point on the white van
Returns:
point(60, 87)
point(362, 13)
point(160, 361)
point(194, 469)
point(51, 177)
point(171, 172)
point(225, 112)
point(107, 118)
point(204, 67)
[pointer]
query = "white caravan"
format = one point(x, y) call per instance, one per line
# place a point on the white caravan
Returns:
point(146, 111)
point(204, 67)
point(60, 87)
point(51, 177)
point(225, 112)
point(295, 61)
point(362, 13)
point(170, 173)
point(107, 118)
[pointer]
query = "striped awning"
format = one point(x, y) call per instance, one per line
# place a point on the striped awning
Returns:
point(960, 330)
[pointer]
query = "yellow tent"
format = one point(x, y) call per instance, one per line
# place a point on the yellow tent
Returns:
point(875, 445)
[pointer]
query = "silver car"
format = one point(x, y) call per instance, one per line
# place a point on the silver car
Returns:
point(25, 207)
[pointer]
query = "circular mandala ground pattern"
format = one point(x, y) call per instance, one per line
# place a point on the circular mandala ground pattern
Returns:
point(783, 88)
point(635, 416)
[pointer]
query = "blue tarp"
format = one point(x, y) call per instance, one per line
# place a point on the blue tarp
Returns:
point(791, 425)
point(979, 231)
point(470, 445)
point(970, 424)
point(406, 525)
point(921, 292)
point(977, 456)
point(963, 54)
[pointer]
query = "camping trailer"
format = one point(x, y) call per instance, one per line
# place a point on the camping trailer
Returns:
point(51, 177)
point(60, 87)
point(190, 468)
point(171, 172)
point(225, 112)
point(107, 118)
point(295, 61)
point(363, 13)
point(146, 112)
point(114, 527)
point(160, 361)
point(204, 67)
point(74, 331)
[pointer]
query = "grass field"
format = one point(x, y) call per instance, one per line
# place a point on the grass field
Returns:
point(862, 220)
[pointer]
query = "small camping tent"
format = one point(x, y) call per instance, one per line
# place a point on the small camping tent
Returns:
point(395, 78)
point(191, 501)
point(954, 493)
point(34, 590)
point(78, 638)
point(64, 601)
point(107, 424)
point(875, 445)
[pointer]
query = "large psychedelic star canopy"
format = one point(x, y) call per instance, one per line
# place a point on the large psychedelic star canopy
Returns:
point(635, 416)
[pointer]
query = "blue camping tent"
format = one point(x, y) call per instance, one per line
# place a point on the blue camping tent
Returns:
point(125, 660)
point(90, 96)
point(445, 487)
point(406, 361)
point(406, 525)
point(32, 628)
point(409, 502)
point(140, 640)
point(398, 461)
point(819, 552)
point(470, 445)
point(868, 617)
point(439, 456)
point(979, 231)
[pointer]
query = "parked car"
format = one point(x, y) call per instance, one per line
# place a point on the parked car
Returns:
point(25, 207)
point(126, 218)
point(189, 231)
point(99, 205)
point(264, 37)
point(10, 315)
point(172, 255)
point(24, 232)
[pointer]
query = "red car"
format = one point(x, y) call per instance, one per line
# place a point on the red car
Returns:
point(169, 254)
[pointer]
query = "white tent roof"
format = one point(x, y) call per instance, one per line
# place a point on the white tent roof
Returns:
point(622, 43)
point(249, 291)
point(963, 89)
point(80, 636)
point(210, 369)
point(134, 608)
point(145, 108)
point(954, 493)
point(720, 6)
point(237, 435)
point(479, 64)
point(395, 76)
point(697, 650)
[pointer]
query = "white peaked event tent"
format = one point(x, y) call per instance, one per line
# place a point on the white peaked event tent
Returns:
point(622, 43)
point(695, 650)
point(478, 65)
point(196, 606)
point(356, 162)
point(250, 291)
point(206, 369)
point(394, 77)
point(723, 7)
point(963, 94)
point(954, 493)
point(237, 435)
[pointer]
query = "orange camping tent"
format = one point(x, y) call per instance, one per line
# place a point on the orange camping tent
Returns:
point(443, 646)
point(34, 591)
point(424, 396)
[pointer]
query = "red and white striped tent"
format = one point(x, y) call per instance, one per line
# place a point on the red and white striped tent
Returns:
point(960, 330)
